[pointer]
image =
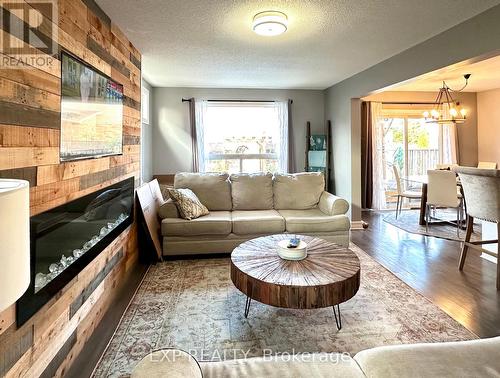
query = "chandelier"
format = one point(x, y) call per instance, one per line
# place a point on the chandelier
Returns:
point(445, 108)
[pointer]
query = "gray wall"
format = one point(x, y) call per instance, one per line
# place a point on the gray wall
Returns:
point(147, 140)
point(475, 37)
point(171, 131)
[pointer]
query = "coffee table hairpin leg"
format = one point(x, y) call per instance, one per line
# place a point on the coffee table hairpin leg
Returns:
point(247, 306)
point(338, 320)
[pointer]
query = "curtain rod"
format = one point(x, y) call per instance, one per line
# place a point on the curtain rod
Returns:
point(407, 103)
point(188, 100)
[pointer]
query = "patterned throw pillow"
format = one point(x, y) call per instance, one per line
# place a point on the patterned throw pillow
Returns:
point(164, 191)
point(187, 203)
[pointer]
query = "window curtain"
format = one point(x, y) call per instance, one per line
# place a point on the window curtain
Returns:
point(197, 111)
point(286, 150)
point(290, 142)
point(378, 196)
point(366, 155)
point(450, 144)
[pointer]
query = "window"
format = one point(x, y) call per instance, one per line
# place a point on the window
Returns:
point(145, 105)
point(243, 136)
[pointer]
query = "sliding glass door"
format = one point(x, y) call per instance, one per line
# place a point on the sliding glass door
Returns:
point(411, 146)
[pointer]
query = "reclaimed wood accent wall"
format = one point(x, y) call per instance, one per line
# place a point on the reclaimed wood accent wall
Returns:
point(29, 149)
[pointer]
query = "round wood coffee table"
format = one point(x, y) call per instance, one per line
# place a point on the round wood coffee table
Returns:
point(328, 276)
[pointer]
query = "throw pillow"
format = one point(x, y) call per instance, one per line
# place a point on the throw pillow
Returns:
point(187, 203)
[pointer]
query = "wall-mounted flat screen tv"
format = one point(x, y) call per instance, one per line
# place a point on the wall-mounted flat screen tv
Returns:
point(91, 112)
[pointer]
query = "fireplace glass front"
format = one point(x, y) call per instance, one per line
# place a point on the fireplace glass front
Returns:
point(66, 239)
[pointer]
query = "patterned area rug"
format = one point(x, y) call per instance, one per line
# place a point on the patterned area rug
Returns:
point(408, 221)
point(193, 305)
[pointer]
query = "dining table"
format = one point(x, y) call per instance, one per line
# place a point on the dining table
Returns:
point(423, 180)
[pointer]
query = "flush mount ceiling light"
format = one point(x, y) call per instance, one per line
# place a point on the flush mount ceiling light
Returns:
point(270, 23)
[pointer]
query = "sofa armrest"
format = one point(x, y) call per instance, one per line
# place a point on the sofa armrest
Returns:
point(332, 205)
point(168, 210)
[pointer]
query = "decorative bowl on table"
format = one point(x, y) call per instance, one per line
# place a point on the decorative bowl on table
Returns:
point(297, 253)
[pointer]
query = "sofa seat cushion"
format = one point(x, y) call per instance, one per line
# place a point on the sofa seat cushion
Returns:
point(475, 358)
point(257, 222)
point(252, 191)
point(212, 189)
point(297, 191)
point(314, 220)
point(309, 365)
point(215, 223)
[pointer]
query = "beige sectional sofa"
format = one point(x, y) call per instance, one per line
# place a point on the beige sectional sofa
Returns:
point(475, 358)
point(246, 206)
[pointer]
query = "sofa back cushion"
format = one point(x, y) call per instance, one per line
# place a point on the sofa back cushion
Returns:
point(297, 191)
point(212, 189)
point(252, 191)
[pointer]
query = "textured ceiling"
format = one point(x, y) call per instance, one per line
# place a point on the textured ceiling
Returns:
point(208, 43)
point(485, 76)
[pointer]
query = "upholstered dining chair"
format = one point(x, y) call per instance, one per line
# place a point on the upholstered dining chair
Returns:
point(482, 195)
point(442, 192)
point(450, 167)
point(487, 165)
point(401, 194)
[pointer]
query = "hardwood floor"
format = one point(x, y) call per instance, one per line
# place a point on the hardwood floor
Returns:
point(430, 266)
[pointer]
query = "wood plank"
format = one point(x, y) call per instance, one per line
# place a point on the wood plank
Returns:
point(131, 112)
point(59, 172)
point(29, 148)
point(130, 140)
point(93, 179)
point(127, 130)
point(37, 209)
point(97, 11)
point(23, 136)
point(19, 41)
point(28, 174)
point(132, 122)
point(32, 57)
point(76, 12)
point(130, 102)
point(19, 157)
point(81, 51)
point(124, 159)
point(34, 78)
point(119, 40)
point(7, 318)
point(18, 114)
point(11, 91)
point(48, 192)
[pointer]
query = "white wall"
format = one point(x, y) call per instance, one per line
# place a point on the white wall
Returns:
point(475, 37)
point(147, 140)
point(171, 132)
point(488, 126)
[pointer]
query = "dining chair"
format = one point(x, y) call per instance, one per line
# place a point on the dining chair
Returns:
point(442, 192)
point(449, 167)
point(482, 194)
point(487, 165)
point(401, 193)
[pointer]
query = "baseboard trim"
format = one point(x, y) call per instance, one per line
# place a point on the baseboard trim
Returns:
point(357, 225)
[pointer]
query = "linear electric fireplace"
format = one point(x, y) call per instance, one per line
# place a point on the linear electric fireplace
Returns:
point(64, 240)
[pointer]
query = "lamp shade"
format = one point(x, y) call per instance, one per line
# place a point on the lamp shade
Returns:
point(14, 240)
